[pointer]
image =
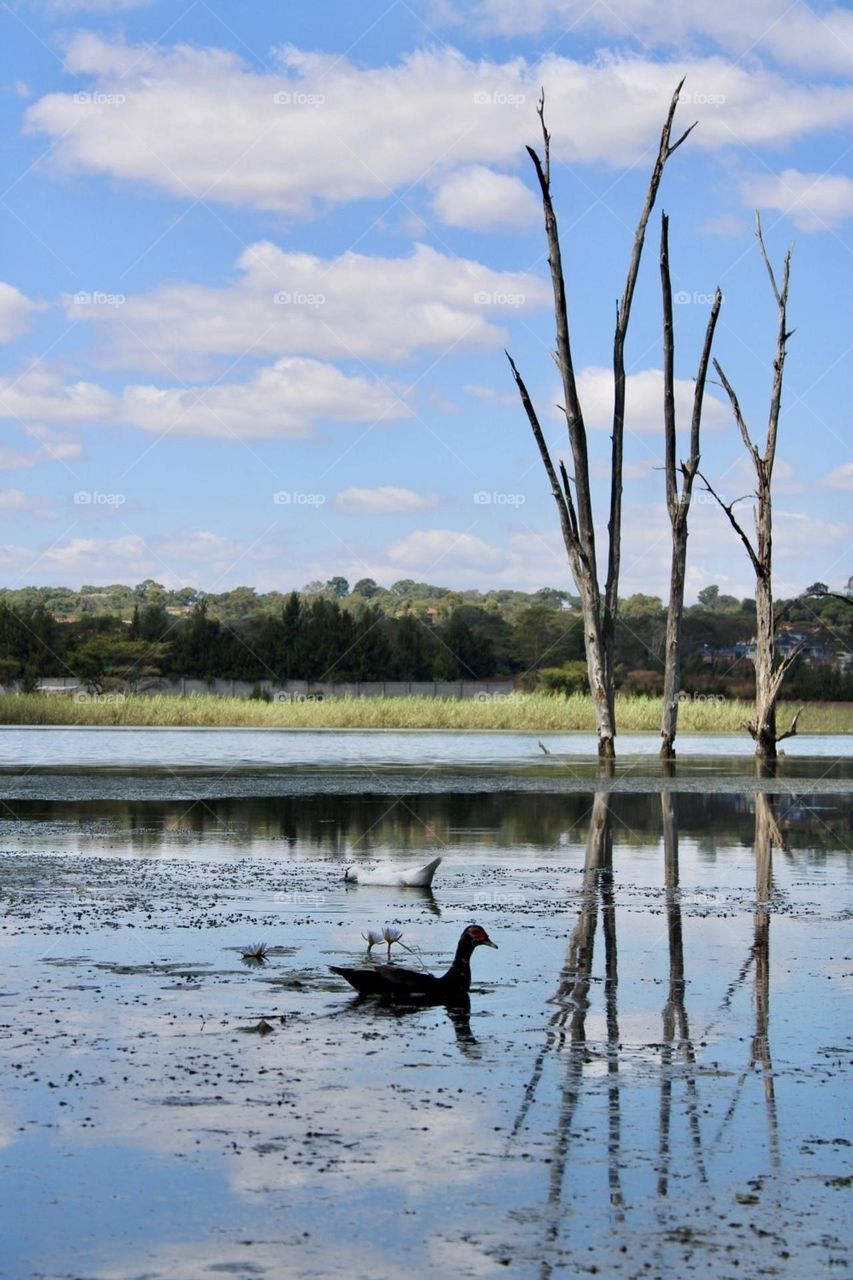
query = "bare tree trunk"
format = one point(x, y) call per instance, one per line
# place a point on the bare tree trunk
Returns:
point(678, 504)
point(573, 495)
point(768, 674)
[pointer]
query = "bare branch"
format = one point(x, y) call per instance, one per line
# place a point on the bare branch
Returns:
point(569, 504)
point(789, 660)
point(574, 413)
point(781, 295)
point(760, 237)
point(665, 150)
point(546, 137)
point(563, 499)
point(735, 403)
point(756, 563)
point(828, 595)
point(699, 393)
point(668, 372)
point(789, 733)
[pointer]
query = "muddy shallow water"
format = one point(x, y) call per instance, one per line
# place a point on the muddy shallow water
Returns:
point(654, 1077)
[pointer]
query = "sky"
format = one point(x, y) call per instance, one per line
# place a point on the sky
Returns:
point(261, 264)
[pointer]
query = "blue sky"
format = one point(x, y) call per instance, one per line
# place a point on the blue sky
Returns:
point(261, 262)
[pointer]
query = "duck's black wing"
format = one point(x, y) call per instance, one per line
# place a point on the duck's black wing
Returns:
point(391, 980)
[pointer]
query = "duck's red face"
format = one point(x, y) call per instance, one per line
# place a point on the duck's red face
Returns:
point(479, 937)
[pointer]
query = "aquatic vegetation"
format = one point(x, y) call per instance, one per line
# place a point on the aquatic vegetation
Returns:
point(534, 712)
point(256, 954)
point(391, 935)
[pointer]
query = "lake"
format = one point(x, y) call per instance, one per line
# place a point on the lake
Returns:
point(653, 1077)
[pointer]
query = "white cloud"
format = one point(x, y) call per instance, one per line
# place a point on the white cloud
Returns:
point(38, 392)
point(279, 402)
point(53, 446)
point(295, 303)
point(216, 553)
point(643, 401)
point(481, 199)
point(724, 224)
point(509, 398)
point(16, 312)
point(96, 560)
point(840, 477)
point(794, 32)
point(205, 558)
point(785, 480)
point(815, 201)
point(427, 549)
point(330, 140)
point(797, 532)
point(16, 502)
point(716, 554)
point(384, 500)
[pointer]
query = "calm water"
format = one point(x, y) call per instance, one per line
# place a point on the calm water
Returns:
point(653, 1078)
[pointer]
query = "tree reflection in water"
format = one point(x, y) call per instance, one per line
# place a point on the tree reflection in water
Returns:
point(767, 836)
point(675, 1042)
point(567, 1028)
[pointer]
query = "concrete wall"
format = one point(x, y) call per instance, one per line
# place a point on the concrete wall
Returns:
point(300, 690)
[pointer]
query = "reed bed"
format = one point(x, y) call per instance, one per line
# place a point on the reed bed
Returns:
point(535, 712)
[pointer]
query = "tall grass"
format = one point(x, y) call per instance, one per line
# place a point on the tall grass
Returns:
point(535, 712)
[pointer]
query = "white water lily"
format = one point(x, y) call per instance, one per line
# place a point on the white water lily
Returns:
point(391, 935)
point(373, 937)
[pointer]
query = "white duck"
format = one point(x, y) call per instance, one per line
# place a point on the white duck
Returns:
point(398, 877)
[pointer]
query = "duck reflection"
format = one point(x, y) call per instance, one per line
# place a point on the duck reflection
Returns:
point(458, 1014)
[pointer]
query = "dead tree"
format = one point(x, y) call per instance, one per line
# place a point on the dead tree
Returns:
point(573, 495)
point(769, 673)
point(678, 503)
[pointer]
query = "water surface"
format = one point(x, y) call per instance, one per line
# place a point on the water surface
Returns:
point(653, 1078)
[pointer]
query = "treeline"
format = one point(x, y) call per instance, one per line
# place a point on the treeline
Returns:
point(336, 635)
point(306, 639)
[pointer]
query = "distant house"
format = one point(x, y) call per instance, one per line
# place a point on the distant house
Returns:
point(786, 642)
point(812, 650)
